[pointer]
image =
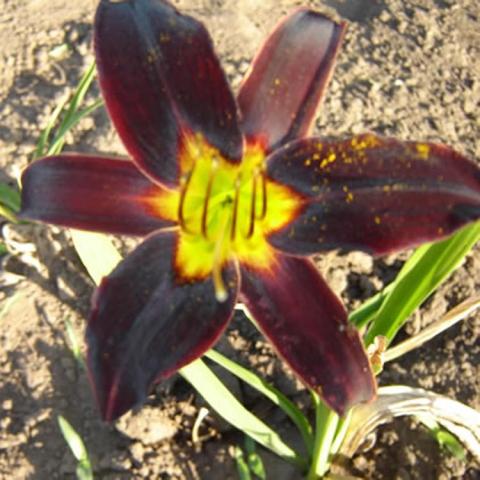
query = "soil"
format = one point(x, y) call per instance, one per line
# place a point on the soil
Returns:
point(408, 68)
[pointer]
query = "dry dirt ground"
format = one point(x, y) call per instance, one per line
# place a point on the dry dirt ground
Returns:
point(408, 68)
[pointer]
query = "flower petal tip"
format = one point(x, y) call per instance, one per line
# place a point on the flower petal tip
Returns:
point(279, 97)
point(145, 325)
point(308, 326)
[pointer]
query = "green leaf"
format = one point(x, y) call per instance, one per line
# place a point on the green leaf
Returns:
point(70, 122)
point(277, 397)
point(228, 407)
point(73, 106)
point(422, 274)
point(84, 471)
point(8, 214)
point(444, 438)
point(10, 197)
point(71, 116)
point(44, 136)
point(74, 441)
point(448, 441)
point(365, 312)
point(326, 423)
point(97, 253)
point(242, 467)
point(254, 461)
point(74, 343)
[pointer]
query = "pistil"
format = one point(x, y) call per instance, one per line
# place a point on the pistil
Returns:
point(263, 213)
point(220, 291)
point(184, 183)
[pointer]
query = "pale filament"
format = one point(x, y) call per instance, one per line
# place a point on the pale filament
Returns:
point(221, 293)
point(238, 182)
point(184, 183)
point(263, 213)
point(253, 205)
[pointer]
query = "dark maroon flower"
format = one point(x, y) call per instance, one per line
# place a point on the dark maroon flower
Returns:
point(233, 198)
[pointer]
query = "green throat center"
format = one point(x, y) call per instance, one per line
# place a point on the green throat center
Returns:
point(219, 202)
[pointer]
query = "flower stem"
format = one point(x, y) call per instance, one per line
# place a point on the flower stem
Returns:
point(326, 421)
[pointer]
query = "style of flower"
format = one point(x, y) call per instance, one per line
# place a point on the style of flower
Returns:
point(234, 198)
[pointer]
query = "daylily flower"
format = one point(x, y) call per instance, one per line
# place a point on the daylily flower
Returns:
point(234, 199)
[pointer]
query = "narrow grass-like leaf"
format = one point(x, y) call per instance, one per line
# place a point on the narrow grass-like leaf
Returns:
point(9, 202)
point(10, 197)
point(76, 445)
point(428, 269)
point(456, 314)
point(341, 431)
point(58, 141)
point(444, 438)
point(74, 343)
point(8, 214)
point(44, 136)
point(366, 312)
point(97, 253)
point(73, 107)
point(227, 406)
point(242, 467)
point(277, 397)
point(450, 443)
point(254, 460)
point(326, 422)
point(71, 116)
point(84, 471)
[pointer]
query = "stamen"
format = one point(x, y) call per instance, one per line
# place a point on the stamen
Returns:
point(264, 196)
point(184, 183)
point(221, 293)
point(253, 205)
point(208, 193)
point(238, 182)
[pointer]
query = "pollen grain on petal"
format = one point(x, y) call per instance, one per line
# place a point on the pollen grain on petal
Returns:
point(423, 150)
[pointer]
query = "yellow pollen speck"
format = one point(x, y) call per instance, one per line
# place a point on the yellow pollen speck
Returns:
point(277, 82)
point(308, 162)
point(349, 198)
point(316, 156)
point(328, 160)
point(377, 220)
point(364, 141)
point(423, 150)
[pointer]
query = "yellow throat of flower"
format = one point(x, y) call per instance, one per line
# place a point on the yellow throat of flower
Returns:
point(224, 212)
